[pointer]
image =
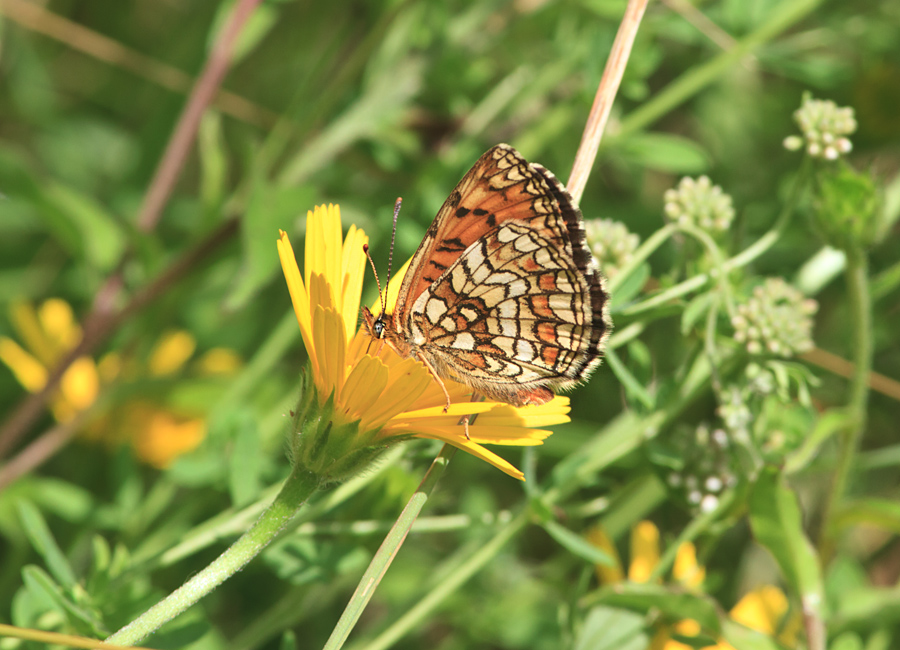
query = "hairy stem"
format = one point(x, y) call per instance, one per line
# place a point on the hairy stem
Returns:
point(861, 318)
point(294, 493)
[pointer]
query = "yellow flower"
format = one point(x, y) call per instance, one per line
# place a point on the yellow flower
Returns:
point(157, 435)
point(764, 609)
point(49, 333)
point(378, 395)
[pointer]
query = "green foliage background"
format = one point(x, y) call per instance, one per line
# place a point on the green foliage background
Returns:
point(358, 103)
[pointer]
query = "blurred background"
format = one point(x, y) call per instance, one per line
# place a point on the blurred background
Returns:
point(177, 411)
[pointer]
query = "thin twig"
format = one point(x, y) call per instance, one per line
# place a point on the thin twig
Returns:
point(169, 168)
point(38, 19)
point(603, 100)
point(99, 325)
point(102, 320)
point(41, 449)
point(840, 366)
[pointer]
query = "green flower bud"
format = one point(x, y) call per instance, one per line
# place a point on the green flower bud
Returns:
point(847, 209)
point(326, 446)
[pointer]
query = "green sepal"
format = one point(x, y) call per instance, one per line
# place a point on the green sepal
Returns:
point(330, 450)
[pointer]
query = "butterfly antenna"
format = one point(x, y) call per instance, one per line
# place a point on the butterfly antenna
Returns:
point(397, 204)
point(372, 264)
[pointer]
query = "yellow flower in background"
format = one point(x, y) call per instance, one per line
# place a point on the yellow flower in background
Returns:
point(371, 390)
point(764, 609)
point(157, 434)
point(50, 332)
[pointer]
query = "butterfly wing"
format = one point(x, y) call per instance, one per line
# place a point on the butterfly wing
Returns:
point(503, 294)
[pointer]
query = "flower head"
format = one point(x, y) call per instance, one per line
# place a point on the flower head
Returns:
point(612, 244)
point(158, 435)
point(699, 203)
point(366, 397)
point(825, 126)
point(776, 319)
point(764, 609)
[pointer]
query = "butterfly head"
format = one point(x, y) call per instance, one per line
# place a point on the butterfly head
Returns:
point(375, 325)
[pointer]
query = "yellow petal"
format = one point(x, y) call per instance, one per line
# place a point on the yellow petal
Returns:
point(171, 352)
point(644, 551)
point(166, 437)
point(58, 321)
point(28, 327)
point(515, 436)
point(607, 575)
point(27, 370)
point(220, 361)
point(353, 267)
point(364, 387)
point(405, 385)
point(762, 609)
point(299, 296)
point(686, 569)
point(80, 384)
point(330, 346)
point(480, 452)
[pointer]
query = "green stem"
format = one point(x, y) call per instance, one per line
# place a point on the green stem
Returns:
point(294, 493)
point(861, 315)
point(646, 249)
point(740, 260)
point(388, 551)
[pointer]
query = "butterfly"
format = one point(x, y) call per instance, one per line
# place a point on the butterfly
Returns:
point(503, 294)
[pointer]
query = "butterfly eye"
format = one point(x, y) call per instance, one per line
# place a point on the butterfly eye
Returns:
point(378, 328)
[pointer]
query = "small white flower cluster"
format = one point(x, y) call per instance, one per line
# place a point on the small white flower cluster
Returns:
point(776, 319)
point(704, 483)
point(699, 203)
point(825, 126)
point(611, 243)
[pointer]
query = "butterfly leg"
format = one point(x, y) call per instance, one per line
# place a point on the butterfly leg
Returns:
point(440, 381)
point(465, 423)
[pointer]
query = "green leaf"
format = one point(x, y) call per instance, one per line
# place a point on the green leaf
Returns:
point(42, 540)
point(829, 423)
point(694, 311)
point(629, 288)
point(102, 238)
point(252, 32)
point(246, 458)
point(39, 582)
point(213, 162)
point(867, 607)
point(606, 628)
point(270, 208)
point(666, 152)
point(577, 545)
point(778, 526)
point(675, 603)
point(880, 513)
point(633, 387)
point(743, 638)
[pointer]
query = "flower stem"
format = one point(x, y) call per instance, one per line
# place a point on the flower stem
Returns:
point(388, 551)
point(861, 315)
point(294, 493)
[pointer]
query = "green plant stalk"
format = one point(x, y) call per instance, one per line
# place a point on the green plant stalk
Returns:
point(691, 532)
point(745, 257)
point(388, 551)
point(619, 437)
point(691, 82)
point(645, 250)
point(298, 487)
point(861, 315)
point(478, 560)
